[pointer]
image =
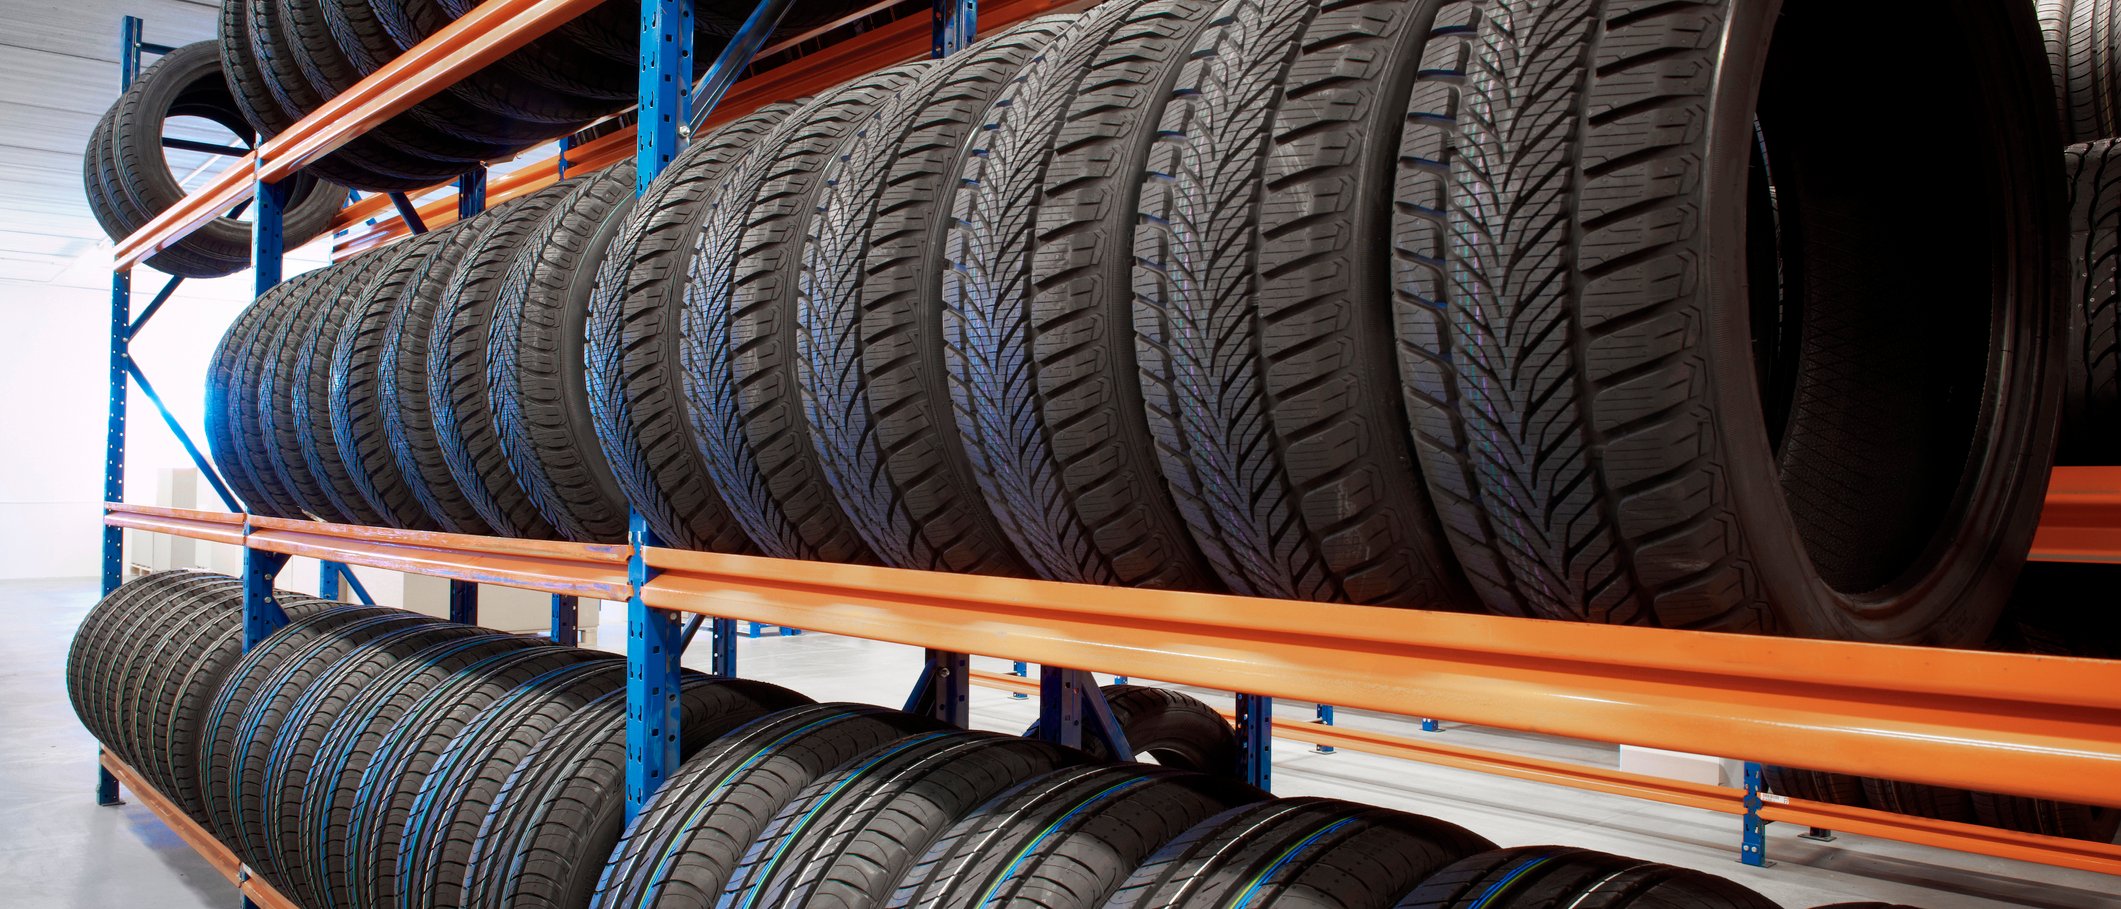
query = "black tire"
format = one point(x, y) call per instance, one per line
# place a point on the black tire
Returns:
point(448, 124)
point(221, 393)
point(1918, 799)
point(257, 734)
point(246, 82)
point(1179, 730)
point(359, 406)
point(187, 82)
point(1264, 321)
point(329, 810)
point(310, 408)
point(435, 850)
point(318, 707)
point(507, 86)
point(2091, 408)
point(383, 804)
point(280, 383)
point(408, 418)
point(1530, 876)
point(2069, 609)
point(224, 735)
point(1320, 852)
point(1066, 840)
point(173, 617)
point(680, 850)
point(2081, 52)
point(458, 403)
point(176, 686)
point(535, 373)
point(1036, 303)
point(738, 328)
point(2046, 816)
point(113, 616)
point(1814, 785)
point(395, 155)
point(553, 825)
point(252, 401)
point(871, 332)
point(561, 67)
point(1630, 470)
point(635, 378)
point(849, 836)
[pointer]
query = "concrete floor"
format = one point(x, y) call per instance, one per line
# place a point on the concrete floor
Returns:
point(58, 850)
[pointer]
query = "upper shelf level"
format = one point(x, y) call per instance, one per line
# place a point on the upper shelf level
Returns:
point(482, 36)
point(2039, 726)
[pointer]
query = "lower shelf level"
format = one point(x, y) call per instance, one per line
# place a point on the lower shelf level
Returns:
point(256, 892)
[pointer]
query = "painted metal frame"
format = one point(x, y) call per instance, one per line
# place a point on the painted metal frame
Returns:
point(2035, 726)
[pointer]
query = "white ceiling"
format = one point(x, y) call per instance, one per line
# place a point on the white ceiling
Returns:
point(58, 73)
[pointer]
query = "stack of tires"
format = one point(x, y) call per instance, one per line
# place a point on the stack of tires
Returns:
point(285, 59)
point(375, 758)
point(2063, 608)
point(127, 177)
point(1334, 300)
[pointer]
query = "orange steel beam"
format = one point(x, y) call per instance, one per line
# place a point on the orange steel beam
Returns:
point(1725, 799)
point(577, 569)
point(2030, 847)
point(488, 33)
point(2082, 519)
point(2039, 726)
point(905, 39)
point(2047, 850)
point(215, 526)
point(188, 830)
point(206, 844)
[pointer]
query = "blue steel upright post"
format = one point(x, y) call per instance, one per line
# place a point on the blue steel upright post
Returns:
point(653, 639)
point(1255, 733)
point(121, 317)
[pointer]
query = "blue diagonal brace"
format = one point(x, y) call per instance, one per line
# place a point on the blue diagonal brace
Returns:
point(197, 458)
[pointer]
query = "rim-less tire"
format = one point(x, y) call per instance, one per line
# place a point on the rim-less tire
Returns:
point(1176, 729)
point(848, 837)
point(1263, 305)
point(358, 403)
point(636, 381)
point(458, 402)
point(1816, 785)
point(2081, 53)
point(1036, 300)
point(1317, 851)
point(1918, 799)
point(309, 410)
point(553, 825)
point(1693, 363)
point(1066, 840)
point(408, 415)
point(1540, 876)
point(871, 335)
point(535, 373)
point(679, 852)
point(739, 328)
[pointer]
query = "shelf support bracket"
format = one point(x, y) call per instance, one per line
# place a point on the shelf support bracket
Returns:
point(463, 602)
point(1752, 844)
point(1255, 735)
point(566, 619)
point(945, 688)
point(262, 614)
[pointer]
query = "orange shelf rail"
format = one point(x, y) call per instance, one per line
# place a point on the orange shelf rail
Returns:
point(254, 888)
point(2039, 726)
point(484, 35)
point(894, 42)
point(2048, 850)
point(2082, 519)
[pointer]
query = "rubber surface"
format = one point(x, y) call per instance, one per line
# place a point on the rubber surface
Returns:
point(635, 378)
point(408, 416)
point(1625, 416)
point(1306, 851)
point(687, 840)
point(2082, 57)
point(1177, 729)
point(1542, 876)
point(739, 328)
point(359, 407)
point(1036, 302)
point(870, 317)
point(458, 401)
point(535, 379)
point(551, 828)
point(1065, 840)
point(848, 837)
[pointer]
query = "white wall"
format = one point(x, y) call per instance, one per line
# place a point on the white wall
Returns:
point(54, 398)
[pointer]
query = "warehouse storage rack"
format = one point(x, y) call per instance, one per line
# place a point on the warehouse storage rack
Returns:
point(2036, 726)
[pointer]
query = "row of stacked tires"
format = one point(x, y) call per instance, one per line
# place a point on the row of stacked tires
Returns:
point(275, 62)
point(372, 757)
point(1423, 303)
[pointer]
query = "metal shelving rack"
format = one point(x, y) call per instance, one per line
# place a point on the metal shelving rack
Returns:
point(2043, 727)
